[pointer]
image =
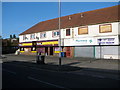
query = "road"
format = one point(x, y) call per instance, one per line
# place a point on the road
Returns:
point(17, 75)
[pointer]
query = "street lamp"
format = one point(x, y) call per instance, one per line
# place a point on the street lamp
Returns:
point(100, 47)
point(59, 12)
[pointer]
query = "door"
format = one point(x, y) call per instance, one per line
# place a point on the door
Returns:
point(46, 50)
point(51, 50)
point(68, 54)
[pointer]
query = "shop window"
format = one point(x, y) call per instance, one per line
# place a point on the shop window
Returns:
point(105, 28)
point(55, 33)
point(33, 48)
point(67, 32)
point(34, 43)
point(43, 35)
point(21, 49)
point(32, 36)
point(82, 30)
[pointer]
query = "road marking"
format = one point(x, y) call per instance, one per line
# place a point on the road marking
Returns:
point(9, 71)
point(46, 83)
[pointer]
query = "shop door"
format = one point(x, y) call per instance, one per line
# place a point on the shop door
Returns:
point(51, 50)
point(46, 50)
point(68, 54)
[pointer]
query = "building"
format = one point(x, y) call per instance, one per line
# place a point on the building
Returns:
point(9, 45)
point(93, 34)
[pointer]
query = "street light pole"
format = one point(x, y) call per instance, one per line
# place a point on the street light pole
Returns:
point(59, 12)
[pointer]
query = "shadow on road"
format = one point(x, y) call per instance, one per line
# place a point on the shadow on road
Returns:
point(54, 67)
point(48, 66)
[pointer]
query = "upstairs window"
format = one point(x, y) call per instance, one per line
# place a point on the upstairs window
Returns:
point(24, 37)
point(82, 30)
point(55, 33)
point(105, 28)
point(43, 35)
point(32, 36)
point(67, 32)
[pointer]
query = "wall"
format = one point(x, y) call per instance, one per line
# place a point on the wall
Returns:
point(93, 31)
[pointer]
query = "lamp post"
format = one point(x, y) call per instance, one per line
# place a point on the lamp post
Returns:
point(100, 47)
point(59, 12)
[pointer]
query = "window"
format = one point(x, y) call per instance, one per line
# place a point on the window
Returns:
point(43, 35)
point(21, 49)
point(33, 48)
point(24, 37)
point(55, 33)
point(32, 36)
point(82, 30)
point(67, 32)
point(34, 43)
point(105, 28)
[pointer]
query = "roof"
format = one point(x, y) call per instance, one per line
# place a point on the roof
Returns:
point(109, 14)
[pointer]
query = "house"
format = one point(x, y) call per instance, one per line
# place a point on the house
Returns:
point(93, 34)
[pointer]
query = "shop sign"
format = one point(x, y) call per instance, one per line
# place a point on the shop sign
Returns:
point(57, 50)
point(84, 41)
point(25, 44)
point(48, 43)
point(106, 41)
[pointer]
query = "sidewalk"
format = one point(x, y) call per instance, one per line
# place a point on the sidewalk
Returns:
point(85, 62)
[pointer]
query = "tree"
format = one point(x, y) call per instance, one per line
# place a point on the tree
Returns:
point(11, 37)
point(14, 36)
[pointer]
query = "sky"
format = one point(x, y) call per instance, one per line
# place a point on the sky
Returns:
point(20, 16)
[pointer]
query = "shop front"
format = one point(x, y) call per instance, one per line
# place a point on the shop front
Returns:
point(47, 47)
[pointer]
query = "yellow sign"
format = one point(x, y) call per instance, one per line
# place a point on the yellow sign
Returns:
point(33, 51)
point(47, 43)
point(26, 44)
point(22, 51)
point(57, 51)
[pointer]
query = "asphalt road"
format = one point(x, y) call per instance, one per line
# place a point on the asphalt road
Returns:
point(15, 75)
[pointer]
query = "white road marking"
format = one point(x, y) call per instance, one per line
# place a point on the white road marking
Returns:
point(46, 82)
point(9, 71)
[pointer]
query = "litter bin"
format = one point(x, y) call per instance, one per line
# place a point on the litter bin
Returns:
point(62, 54)
point(40, 59)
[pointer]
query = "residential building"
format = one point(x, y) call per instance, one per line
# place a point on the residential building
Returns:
point(93, 34)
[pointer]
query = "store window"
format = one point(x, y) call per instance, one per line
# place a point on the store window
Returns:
point(21, 48)
point(67, 32)
point(55, 33)
point(43, 35)
point(32, 36)
point(105, 28)
point(33, 48)
point(82, 30)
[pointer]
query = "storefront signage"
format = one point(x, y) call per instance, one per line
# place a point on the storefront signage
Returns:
point(57, 50)
point(25, 44)
point(52, 43)
point(79, 41)
point(84, 41)
point(106, 41)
